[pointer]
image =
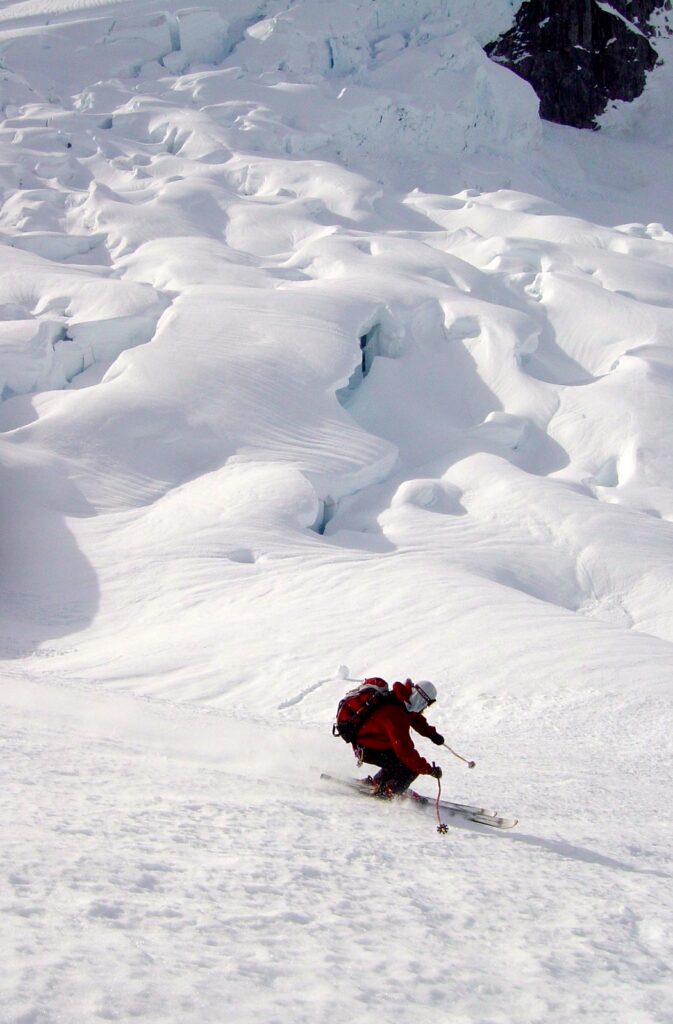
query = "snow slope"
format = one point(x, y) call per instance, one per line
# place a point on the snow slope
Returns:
point(153, 878)
point(316, 345)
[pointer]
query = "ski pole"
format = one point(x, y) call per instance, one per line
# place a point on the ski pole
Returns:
point(470, 764)
point(441, 827)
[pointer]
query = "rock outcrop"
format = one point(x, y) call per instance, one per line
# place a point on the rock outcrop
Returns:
point(580, 54)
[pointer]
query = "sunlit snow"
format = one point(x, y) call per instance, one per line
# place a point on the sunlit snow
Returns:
point(317, 349)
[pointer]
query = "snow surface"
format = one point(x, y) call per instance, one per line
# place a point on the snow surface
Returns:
point(317, 346)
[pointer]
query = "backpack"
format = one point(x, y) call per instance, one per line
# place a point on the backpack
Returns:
point(356, 707)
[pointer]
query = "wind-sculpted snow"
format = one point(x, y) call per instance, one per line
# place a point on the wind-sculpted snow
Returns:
point(316, 346)
point(328, 332)
point(54, 324)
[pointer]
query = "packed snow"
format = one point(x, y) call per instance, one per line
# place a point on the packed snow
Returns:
point(321, 356)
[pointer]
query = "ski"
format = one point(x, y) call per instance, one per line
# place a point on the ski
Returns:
point(492, 820)
point(465, 811)
point(452, 810)
point(449, 805)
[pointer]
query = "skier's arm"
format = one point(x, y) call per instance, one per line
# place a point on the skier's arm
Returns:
point(422, 726)
point(406, 751)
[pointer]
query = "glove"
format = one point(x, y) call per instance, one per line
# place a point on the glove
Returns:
point(436, 771)
point(439, 740)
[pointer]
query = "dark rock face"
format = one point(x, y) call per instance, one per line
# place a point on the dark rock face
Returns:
point(580, 54)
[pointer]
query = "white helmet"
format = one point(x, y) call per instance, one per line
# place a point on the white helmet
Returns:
point(422, 695)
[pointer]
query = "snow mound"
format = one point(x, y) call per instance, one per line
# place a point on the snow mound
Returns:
point(55, 324)
point(272, 347)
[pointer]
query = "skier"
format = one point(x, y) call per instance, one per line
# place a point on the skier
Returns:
point(384, 740)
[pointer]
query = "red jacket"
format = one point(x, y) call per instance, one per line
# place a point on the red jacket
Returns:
point(388, 727)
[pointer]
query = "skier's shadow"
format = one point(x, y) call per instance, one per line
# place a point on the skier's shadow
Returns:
point(571, 852)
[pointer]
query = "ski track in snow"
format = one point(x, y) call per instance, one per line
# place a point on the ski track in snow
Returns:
point(315, 344)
